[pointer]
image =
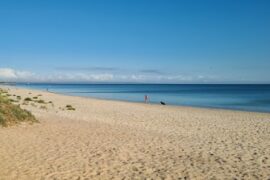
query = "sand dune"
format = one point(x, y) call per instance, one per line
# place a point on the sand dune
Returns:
point(120, 140)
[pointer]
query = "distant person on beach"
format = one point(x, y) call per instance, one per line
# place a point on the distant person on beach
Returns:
point(146, 98)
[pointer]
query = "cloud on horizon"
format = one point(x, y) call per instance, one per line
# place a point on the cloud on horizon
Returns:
point(87, 68)
point(109, 69)
point(8, 74)
point(144, 76)
point(152, 71)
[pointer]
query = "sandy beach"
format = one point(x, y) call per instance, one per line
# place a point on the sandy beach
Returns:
point(104, 139)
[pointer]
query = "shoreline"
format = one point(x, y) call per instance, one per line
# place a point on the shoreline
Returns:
point(138, 102)
point(104, 139)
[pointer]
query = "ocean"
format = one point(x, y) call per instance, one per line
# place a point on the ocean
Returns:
point(236, 97)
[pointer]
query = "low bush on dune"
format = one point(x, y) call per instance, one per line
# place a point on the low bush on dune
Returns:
point(40, 101)
point(11, 114)
point(69, 107)
point(28, 99)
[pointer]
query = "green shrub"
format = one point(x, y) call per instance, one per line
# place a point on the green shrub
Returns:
point(69, 107)
point(28, 99)
point(40, 101)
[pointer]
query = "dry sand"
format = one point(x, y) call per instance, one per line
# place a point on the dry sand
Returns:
point(119, 140)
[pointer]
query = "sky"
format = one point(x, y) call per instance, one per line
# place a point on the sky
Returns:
point(137, 41)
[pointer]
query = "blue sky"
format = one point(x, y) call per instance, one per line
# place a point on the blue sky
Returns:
point(191, 41)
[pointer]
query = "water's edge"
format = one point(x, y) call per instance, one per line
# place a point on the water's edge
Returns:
point(250, 98)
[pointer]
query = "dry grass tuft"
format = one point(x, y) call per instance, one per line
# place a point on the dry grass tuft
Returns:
point(69, 107)
point(11, 114)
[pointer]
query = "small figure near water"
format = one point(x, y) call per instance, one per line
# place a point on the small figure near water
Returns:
point(146, 98)
point(162, 103)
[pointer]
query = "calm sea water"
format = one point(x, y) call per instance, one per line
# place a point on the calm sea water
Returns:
point(239, 97)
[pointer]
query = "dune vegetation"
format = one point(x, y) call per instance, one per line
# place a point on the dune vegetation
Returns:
point(11, 114)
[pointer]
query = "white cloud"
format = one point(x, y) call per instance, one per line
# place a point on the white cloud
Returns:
point(8, 74)
point(79, 77)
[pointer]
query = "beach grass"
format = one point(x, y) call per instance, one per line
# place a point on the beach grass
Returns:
point(11, 114)
point(70, 108)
